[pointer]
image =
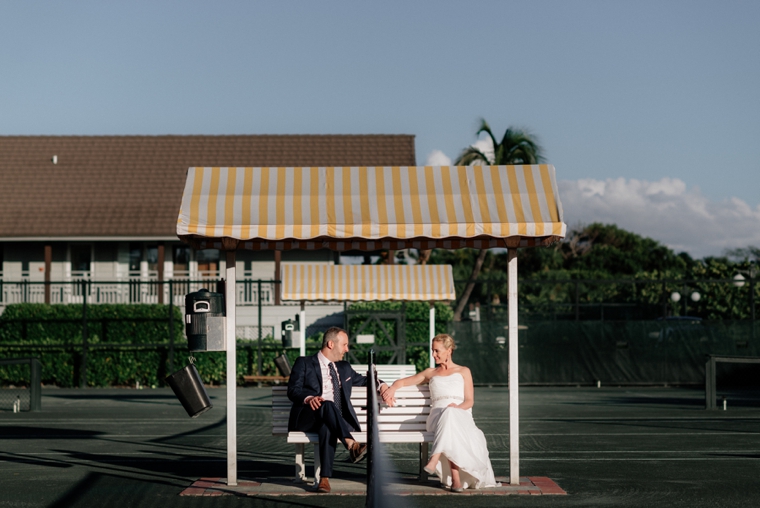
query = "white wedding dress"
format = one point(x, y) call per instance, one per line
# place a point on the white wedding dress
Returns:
point(456, 436)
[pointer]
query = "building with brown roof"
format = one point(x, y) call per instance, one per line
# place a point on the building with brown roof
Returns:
point(105, 208)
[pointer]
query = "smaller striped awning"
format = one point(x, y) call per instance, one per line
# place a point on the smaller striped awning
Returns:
point(301, 282)
point(370, 208)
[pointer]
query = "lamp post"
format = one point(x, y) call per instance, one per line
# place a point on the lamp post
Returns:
point(675, 297)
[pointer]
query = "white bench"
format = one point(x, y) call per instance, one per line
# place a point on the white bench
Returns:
point(404, 423)
point(388, 373)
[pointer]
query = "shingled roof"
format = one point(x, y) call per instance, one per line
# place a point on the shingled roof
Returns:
point(131, 186)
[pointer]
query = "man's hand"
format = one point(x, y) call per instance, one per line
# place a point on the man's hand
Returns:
point(387, 396)
point(315, 402)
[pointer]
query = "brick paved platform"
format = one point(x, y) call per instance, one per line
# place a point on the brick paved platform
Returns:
point(533, 485)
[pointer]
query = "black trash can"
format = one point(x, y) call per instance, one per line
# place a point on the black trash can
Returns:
point(202, 309)
point(188, 387)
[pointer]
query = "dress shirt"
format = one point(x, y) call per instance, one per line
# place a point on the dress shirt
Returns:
point(327, 385)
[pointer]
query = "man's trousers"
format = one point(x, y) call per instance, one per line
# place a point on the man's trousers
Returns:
point(330, 426)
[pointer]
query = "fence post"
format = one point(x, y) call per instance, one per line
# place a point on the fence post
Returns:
point(83, 373)
point(35, 385)
point(752, 305)
point(171, 327)
point(259, 363)
point(577, 301)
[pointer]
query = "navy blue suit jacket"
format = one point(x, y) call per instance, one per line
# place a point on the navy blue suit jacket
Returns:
point(306, 380)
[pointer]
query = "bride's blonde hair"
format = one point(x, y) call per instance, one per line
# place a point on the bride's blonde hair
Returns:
point(446, 340)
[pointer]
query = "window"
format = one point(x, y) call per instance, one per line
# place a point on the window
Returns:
point(81, 257)
point(152, 257)
point(135, 256)
point(208, 260)
point(181, 258)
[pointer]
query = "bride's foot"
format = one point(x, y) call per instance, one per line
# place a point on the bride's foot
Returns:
point(432, 463)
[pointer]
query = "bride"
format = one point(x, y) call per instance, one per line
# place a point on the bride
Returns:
point(459, 455)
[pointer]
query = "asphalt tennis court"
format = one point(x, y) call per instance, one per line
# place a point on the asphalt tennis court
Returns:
point(603, 446)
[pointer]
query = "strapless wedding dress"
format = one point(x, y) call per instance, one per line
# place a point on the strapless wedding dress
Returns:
point(457, 437)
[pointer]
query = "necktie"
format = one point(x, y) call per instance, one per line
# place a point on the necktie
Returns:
point(337, 396)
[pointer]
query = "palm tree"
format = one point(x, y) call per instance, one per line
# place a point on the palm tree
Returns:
point(516, 147)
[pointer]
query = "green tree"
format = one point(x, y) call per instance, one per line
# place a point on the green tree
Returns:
point(516, 147)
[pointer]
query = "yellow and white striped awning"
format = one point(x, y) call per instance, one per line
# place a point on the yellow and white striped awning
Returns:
point(367, 282)
point(370, 208)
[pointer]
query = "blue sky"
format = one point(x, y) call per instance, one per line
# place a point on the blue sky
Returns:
point(652, 105)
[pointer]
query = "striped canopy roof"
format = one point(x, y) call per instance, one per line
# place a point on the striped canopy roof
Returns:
point(367, 282)
point(370, 208)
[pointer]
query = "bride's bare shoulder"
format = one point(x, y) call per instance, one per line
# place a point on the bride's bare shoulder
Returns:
point(465, 371)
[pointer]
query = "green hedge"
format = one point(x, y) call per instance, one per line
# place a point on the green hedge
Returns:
point(59, 328)
point(122, 329)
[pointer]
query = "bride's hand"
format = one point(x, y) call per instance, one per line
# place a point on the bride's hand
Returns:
point(388, 398)
point(453, 405)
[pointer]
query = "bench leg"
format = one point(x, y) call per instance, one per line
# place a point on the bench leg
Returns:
point(317, 464)
point(300, 467)
point(423, 460)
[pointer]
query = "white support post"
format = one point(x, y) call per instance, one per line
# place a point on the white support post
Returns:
point(302, 324)
point(230, 306)
point(514, 398)
point(432, 333)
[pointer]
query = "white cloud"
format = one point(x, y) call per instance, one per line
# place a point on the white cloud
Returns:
point(437, 158)
point(485, 145)
point(666, 210)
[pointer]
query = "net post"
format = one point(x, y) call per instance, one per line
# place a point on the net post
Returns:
point(372, 493)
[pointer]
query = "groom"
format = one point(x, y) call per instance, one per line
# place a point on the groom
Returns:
point(320, 389)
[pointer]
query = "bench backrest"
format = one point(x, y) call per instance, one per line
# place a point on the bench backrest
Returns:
point(409, 414)
point(388, 373)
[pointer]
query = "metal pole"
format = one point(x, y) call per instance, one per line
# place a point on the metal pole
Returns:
point(230, 307)
point(35, 385)
point(83, 373)
point(577, 301)
point(171, 327)
point(752, 305)
point(371, 500)
point(752, 295)
point(514, 396)
point(259, 363)
point(432, 333)
point(302, 324)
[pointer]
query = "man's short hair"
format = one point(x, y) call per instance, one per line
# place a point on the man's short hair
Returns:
point(332, 335)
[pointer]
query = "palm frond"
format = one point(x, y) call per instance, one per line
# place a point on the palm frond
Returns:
point(484, 127)
point(470, 155)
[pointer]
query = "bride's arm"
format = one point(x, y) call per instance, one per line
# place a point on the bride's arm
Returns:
point(416, 379)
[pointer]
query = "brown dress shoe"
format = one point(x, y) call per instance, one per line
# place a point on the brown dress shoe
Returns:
point(324, 485)
point(357, 452)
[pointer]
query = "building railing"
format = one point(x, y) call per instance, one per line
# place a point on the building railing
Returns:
point(133, 291)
